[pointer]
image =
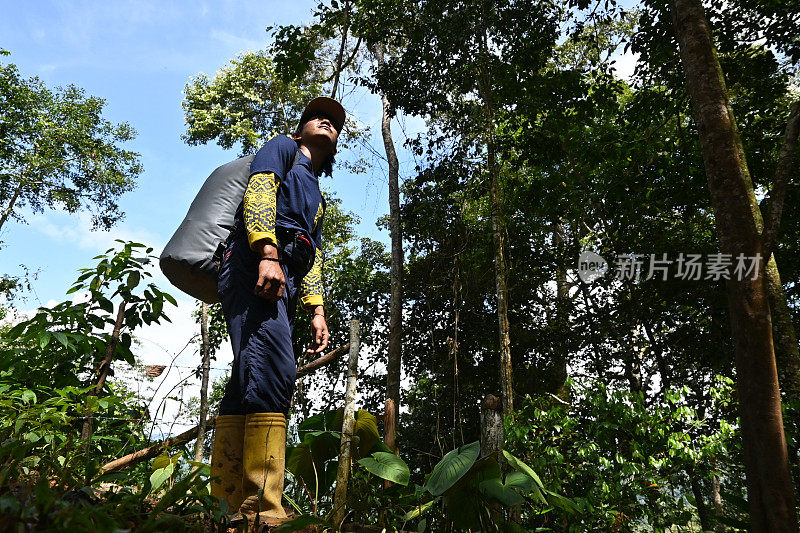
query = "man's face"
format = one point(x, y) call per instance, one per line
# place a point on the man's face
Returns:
point(320, 126)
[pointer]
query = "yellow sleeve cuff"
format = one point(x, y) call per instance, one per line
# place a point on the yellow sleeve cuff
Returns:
point(253, 237)
point(312, 300)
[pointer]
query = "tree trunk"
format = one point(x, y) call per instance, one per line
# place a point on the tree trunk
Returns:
point(739, 226)
point(103, 370)
point(498, 234)
point(348, 426)
point(783, 334)
point(206, 349)
point(716, 497)
point(491, 426)
point(700, 501)
point(562, 308)
point(393, 365)
point(10, 208)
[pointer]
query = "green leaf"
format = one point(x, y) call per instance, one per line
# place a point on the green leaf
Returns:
point(161, 462)
point(106, 305)
point(503, 493)
point(44, 339)
point(420, 509)
point(169, 298)
point(28, 396)
point(453, 465)
point(387, 466)
point(158, 477)
point(520, 466)
point(133, 280)
point(60, 337)
point(16, 331)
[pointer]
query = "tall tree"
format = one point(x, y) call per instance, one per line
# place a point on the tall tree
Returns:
point(58, 152)
point(394, 363)
point(741, 232)
point(462, 65)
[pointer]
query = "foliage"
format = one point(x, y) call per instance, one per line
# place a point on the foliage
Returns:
point(462, 490)
point(50, 478)
point(61, 345)
point(57, 151)
point(627, 464)
point(245, 102)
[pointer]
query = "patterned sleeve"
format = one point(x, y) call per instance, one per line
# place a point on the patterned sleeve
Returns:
point(311, 287)
point(259, 207)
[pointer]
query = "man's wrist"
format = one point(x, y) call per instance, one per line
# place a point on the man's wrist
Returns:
point(318, 310)
point(265, 248)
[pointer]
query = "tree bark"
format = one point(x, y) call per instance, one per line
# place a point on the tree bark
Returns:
point(206, 349)
point(783, 334)
point(8, 210)
point(739, 228)
point(340, 56)
point(348, 426)
point(393, 366)
point(498, 233)
point(491, 426)
point(103, 370)
point(700, 502)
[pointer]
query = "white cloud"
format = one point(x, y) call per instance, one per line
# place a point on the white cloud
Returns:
point(77, 230)
point(235, 42)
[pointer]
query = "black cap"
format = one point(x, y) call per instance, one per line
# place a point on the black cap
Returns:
point(328, 106)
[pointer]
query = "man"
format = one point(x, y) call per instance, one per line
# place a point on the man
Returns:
point(276, 252)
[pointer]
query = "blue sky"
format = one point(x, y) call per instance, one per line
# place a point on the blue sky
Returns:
point(138, 55)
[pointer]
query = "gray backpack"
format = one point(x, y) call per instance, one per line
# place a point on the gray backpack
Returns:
point(190, 261)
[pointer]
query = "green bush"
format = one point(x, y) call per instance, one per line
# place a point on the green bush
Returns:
point(627, 464)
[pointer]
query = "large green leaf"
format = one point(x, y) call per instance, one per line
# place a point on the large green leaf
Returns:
point(387, 466)
point(365, 432)
point(537, 486)
point(310, 460)
point(158, 477)
point(507, 493)
point(463, 501)
point(452, 467)
point(420, 509)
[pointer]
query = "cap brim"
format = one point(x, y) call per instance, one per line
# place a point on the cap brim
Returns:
point(329, 107)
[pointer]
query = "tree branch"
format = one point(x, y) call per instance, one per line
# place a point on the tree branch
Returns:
point(151, 451)
point(777, 194)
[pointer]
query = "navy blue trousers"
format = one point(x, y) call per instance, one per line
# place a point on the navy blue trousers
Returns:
point(263, 374)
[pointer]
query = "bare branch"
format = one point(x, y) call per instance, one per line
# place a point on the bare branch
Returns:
point(777, 194)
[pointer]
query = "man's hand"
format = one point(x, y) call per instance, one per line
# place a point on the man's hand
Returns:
point(319, 332)
point(271, 282)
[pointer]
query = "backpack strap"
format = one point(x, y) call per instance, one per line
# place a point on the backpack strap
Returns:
point(239, 222)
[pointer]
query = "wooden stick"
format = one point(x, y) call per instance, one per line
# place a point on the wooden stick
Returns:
point(348, 426)
point(154, 450)
point(201, 432)
point(322, 361)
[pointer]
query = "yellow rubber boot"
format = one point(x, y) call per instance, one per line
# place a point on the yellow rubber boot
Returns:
point(226, 460)
point(264, 460)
